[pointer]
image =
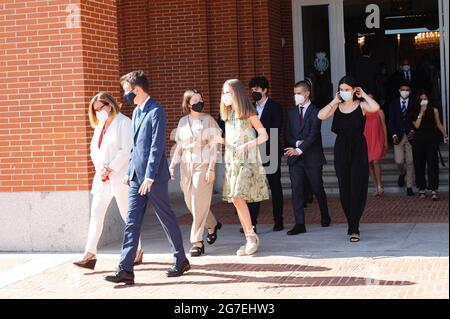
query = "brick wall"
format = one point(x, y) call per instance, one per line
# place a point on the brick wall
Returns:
point(49, 71)
point(199, 43)
point(51, 66)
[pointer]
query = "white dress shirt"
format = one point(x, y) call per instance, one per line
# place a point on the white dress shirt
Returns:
point(260, 108)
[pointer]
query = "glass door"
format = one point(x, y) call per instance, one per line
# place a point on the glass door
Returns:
point(319, 51)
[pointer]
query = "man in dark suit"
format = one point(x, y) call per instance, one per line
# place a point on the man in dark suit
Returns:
point(271, 116)
point(148, 177)
point(406, 74)
point(401, 130)
point(305, 156)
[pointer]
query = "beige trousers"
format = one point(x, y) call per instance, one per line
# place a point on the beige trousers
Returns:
point(401, 151)
point(197, 195)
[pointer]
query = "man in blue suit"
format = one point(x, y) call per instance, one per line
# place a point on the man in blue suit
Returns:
point(305, 156)
point(148, 176)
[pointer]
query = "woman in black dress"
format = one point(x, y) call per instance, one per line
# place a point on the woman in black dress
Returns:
point(349, 107)
point(426, 120)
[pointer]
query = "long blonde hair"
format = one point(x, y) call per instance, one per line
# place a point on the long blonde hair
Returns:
point(242, 105)
point(107, 99)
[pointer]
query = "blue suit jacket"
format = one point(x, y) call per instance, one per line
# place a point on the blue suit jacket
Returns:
point(148, 154)
point(309, 133)
point(397, 124)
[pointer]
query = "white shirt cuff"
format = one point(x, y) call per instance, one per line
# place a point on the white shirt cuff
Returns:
point(299, 151)
point(150, 180)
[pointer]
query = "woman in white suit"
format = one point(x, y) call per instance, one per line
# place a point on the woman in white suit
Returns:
point(110, 153)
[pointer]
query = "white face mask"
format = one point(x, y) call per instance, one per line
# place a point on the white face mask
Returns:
point(227, 99)
point(404, 94)
point(299, 99)
point(102, 116)
point(346, 96)
point(424, 103)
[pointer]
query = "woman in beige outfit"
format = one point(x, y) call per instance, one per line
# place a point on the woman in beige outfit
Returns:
point(197, 137)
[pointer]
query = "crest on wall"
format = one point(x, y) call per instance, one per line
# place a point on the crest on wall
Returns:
point(321, 63)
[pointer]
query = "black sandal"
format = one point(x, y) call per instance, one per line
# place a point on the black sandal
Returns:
point(354, 238)
point(211, 238)
point(197, 251)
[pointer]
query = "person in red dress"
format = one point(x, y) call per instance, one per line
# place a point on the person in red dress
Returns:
point(375, 132)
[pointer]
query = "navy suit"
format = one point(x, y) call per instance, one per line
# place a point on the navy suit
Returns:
point(148, 160)
point(308, 166)
point(399, 124)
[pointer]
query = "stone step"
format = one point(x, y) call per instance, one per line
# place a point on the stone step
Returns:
point(390, 174)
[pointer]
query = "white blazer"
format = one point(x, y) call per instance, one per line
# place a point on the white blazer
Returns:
point(114, 151)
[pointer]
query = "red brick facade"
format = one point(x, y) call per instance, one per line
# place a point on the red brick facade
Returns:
point(51, 67)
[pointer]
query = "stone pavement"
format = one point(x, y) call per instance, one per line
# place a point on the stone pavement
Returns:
point(398, 258)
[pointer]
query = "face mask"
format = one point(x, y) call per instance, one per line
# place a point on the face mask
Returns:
point(227, 99)
point(404, 94)
point(346, 96)
point(129, 97)
point(406, 68)
point(299, 99)
point(102, 116)
point(424, 103)
point(198, 107)
point(256, 96)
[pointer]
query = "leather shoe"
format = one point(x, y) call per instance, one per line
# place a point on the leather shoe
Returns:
point(325, 222)
point(124, 276)
point(178, 270)
point(298, 229)
point(278, 227)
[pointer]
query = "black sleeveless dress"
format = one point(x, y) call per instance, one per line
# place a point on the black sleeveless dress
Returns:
point(351, 164)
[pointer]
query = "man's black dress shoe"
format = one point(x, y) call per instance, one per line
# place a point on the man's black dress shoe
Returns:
point(124, 276)
point(298, 229)
point(325, 222)
point(178, 270)
point(278, 227)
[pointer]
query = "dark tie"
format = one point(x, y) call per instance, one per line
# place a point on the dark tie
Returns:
point(301, 115)
point(138, 116)
point(404, 109)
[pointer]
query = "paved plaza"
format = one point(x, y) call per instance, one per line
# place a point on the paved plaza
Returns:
point(403, 254)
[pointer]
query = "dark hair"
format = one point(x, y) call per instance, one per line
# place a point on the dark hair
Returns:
point(405, 83)
point(305, 84)
point(137, 78)
point(429, 113)
point(349, 80)
point(259, 81)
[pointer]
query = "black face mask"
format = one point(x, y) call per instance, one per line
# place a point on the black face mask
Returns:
point(198, 107)
point(256, 96)
point(129, 98)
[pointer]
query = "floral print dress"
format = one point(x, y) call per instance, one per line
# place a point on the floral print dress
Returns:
point(244, 174)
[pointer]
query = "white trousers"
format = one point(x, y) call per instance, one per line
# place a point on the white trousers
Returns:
point(100, 203)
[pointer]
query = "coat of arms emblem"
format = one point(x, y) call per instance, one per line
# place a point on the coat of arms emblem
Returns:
point(321, 63)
